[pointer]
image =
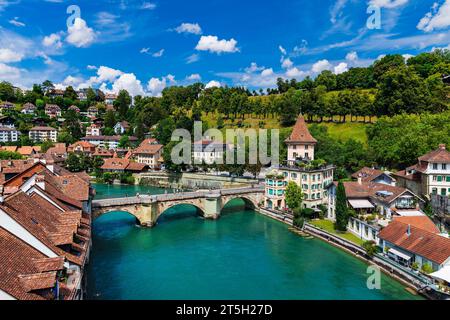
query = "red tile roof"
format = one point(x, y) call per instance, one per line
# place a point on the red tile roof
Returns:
point(300, 133)
point(440, 155)
point(421, 242)
point(19, 265)
point(421, 222)
point(148, 146)
point(353, 189)
point(367, 174)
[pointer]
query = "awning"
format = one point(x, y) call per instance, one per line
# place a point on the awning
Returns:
point(361, 204)
point(400, 254)
point(443, 274)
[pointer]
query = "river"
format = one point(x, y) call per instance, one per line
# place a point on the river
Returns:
point(243, 255)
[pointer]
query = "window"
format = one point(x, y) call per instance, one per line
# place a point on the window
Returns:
point(447, 178)
point(306, 147)
point(306, 155)
point(434, 191)
point(293, 175)
point(443, 192)
point(305, 177)
point(435, 166)
point(444, 166)
point(306, 196)
point(439, 178)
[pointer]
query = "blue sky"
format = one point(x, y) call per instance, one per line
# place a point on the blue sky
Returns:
point(146, 45)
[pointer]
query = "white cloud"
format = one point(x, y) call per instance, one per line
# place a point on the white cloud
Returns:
point(158, 54)
point(145, 50)
point(295, 73)
point(194, 77)
point(213, 84)
point(79, 34)
point(193, 28)
point(16, 22)
point(192, 58)
point(155, 86)
point(389, 4)
point(282, 50)
point(341, 68)
point(253, 68)
point(267, 72)
point(321, 65)
point(8, 73)
point(351, 56)
point(286, 63)
point(437, 18)
point(52, 40)
point(107, 74)
point(407, 56)
point(8, 55)
point(91, 67)
point(213, 44)
point(129, 82)
point(148, 6)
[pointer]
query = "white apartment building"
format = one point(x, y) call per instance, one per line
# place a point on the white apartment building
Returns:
point(40, 134)
point(431, 175)
point(106, 142)
point(8, 134)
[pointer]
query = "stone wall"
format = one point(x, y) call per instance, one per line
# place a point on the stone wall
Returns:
point(191, 181)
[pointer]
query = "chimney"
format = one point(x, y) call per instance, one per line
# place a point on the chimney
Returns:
point(359, 180)
point(442, 147)
point(40, 181)
point(408, 231)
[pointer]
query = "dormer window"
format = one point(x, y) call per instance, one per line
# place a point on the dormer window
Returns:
point(435, 166)
point(444, 166)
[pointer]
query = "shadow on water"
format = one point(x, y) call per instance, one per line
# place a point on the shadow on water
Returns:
point(179, 212)
point(235, 205)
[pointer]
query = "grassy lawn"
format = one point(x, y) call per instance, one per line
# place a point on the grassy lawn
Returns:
point(345, 131)
point(340, 131)
point(329, 227)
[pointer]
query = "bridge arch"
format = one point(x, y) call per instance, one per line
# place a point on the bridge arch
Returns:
point(165, 208)
point(97, 214)
point(249, 203)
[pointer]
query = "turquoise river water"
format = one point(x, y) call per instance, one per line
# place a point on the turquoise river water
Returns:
point(243, 255)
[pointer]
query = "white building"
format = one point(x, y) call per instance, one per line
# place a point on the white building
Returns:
point(94, 130)
point(149, 152)
point(28, 108)
point(8, 134)
point(110, 98)
point(313, 177)
point(209, 152)
point(121, 127)
point(431, 175)
point(40, 134)
point(106, 142)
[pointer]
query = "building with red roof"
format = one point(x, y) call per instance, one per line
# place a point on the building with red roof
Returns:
point(431, 174)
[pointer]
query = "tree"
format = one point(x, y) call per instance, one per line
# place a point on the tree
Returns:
point(124, 142)
point(402, 90)
point(293, 195)
point(110, 119)
point(122, 103)
point(72, 125)
point(47, 85)
point(46, 145)
point(8, 155)
point(6, 91)
point(73, 163)
point(370, 247)
point(70, 93)
point(326, 78)
point(341, 209)
point(387, 63)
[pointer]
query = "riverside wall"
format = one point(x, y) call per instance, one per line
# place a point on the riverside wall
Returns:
point(191, 181)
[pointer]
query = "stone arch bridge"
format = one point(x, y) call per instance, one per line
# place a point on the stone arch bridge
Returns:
point(148, 208)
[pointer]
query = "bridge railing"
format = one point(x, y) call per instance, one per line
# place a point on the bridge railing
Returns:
point(148, 199)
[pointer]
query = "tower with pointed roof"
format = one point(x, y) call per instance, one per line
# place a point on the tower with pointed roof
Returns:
point(300, 143)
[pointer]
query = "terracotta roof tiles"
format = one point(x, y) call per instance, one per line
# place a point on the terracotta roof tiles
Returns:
point(300, 133)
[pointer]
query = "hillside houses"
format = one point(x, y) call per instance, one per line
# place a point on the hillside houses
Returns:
point(52, 110)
